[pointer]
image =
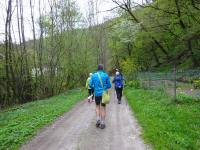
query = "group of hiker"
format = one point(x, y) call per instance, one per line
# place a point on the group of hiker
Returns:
point(99, 85)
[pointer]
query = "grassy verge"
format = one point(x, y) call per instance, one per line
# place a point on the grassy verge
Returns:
point(19, 125)
point(166, 125)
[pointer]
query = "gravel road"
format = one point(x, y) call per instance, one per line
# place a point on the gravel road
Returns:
point(76, 130)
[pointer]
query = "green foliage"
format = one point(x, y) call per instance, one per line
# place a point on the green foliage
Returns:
point(196, 84)
point(129, 67)
point(166, 125)
point(19, 124)
point(134, 84)
point(60, 58)
point(184, 98)
point(176, 33)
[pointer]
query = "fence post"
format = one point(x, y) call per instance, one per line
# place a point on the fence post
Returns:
point(149, 78)
point(175, 82)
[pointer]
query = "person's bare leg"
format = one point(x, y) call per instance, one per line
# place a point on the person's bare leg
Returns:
point(103, 114)
point(98, 115)
point(98, 111)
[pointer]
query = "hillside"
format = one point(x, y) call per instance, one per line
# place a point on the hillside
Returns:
point(157, 35)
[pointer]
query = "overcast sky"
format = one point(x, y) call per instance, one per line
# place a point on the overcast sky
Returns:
point(103, 5)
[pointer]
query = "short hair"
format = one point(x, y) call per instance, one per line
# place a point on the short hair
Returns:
point(100, 67)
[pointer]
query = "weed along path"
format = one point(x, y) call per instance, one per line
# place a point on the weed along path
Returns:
point(76, 130)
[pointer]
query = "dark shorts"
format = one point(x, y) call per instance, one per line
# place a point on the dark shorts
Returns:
point(90, 91)
point(98, 100)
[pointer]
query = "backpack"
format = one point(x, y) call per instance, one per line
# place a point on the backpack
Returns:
point(119, 82)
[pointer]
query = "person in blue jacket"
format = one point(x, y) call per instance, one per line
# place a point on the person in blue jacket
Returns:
point(95, 83)
point(119, 85)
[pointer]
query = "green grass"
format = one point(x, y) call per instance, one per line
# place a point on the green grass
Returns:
point(184, 98)
point(166, 125)
point(20, 124)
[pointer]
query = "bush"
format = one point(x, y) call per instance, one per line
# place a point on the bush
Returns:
point(134, 83)
point(184, 98)
point(196, 84)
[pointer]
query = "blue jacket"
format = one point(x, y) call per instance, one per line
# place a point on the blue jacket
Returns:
point(96, 84)
point(118, 81)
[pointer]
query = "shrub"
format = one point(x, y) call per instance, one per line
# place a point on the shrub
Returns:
point(196, 84)
point(134, 83)
point(184, 98)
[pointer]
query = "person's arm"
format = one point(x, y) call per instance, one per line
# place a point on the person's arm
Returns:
point(91, 84)
point(87, 84)
point(108, 83)
point(123, 80)
point(113, 80)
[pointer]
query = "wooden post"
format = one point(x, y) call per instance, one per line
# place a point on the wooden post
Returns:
point(175, 82)
point(149, 78)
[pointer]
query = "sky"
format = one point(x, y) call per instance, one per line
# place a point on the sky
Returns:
point(103, 6)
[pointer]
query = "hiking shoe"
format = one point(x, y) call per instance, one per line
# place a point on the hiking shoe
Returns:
point(102, 126)
point(98, 123)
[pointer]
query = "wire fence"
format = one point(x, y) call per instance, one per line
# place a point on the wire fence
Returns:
point(173, 83)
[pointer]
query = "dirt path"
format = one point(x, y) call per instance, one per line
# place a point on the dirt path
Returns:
point(76, 130)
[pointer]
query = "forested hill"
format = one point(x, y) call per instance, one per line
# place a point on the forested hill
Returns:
point(157, 34)
point(66, 46)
